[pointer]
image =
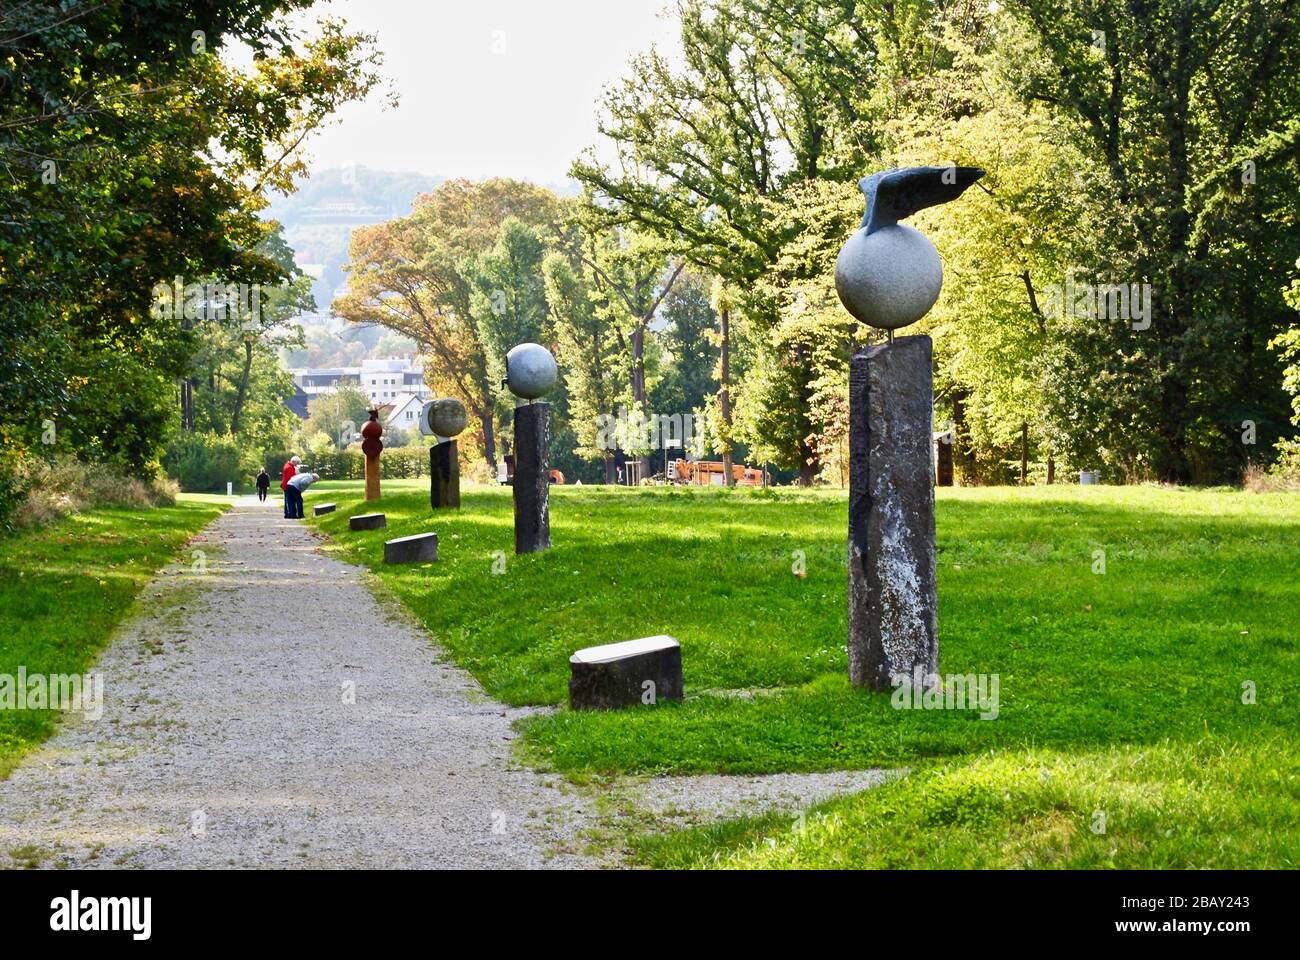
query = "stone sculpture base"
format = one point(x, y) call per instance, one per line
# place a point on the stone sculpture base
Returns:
point(531, 482)
point(893, 602)
point(444, 475)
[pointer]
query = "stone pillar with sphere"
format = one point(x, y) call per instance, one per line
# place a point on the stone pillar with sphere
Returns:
point(444, 418)
point(889, 275)
point(372, 446)
point(530, 374)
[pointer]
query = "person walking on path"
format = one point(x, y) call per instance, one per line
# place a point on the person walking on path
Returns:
point(263, 484)
point(299, 482)
point(290, 468)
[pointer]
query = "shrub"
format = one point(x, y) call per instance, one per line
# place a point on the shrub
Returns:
point(1283, 475)
point(51, 489)
point(202, 461)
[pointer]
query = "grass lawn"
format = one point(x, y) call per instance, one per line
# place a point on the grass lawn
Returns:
point(63, 588)
point(1121, 693)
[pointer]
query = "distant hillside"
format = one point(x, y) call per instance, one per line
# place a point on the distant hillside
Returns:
point(319, 218)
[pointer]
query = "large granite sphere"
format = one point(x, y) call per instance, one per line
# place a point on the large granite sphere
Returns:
point(530, 371)
point(888, 278)
point(446, 417)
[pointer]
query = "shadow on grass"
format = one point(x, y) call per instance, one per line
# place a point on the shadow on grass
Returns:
point(1190, 607)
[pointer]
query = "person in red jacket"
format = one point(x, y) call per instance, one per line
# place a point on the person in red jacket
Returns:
point(290, 468)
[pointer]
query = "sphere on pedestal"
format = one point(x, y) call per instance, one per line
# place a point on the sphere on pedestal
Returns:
point(890, 277)
point(446, 417)
point(530, 371)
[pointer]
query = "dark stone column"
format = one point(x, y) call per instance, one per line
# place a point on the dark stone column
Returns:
point(532, 483)
point(943, 465)
point(893, 603)
point(444, 475)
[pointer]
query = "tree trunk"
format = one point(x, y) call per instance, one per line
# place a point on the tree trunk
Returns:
point(242, 395)
point(1024, 454)
point(724, 392)
point(963, 458)
point(637, 467)
point(488, 434)
point(1051, 469)
point(807, 465)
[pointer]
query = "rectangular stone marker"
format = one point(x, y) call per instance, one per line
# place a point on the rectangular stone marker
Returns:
point(943, 460)
point(531, 481)
point(626, 674)
point(368, 521)
point(419, 548)
point(893, 601)
point(320, 508)
point(444, 475)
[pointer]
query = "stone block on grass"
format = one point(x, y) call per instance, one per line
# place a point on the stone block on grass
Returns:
point(320, 508)
point(368, 521)
point(626, 674)
point(419, 548)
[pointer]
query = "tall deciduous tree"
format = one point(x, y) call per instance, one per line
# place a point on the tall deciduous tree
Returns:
point(418, 275)
point(1191, 106)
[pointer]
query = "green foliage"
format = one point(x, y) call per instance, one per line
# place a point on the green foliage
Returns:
point(136, 154)
point(205, 461)
point(339, 415)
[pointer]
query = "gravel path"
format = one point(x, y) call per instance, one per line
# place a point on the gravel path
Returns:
point(263, 709)
point(227, 738)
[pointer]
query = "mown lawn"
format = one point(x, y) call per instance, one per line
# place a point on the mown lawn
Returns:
point(1129, 683)
point(63, 588)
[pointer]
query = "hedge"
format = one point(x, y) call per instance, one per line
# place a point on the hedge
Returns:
point(401, 463)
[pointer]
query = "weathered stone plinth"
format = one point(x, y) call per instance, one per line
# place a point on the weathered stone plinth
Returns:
point(631, 673)
point(444, 475)
point(418, 548)
point(368, 521)
point(531, 483)
point(321, 508)
point(893, 603)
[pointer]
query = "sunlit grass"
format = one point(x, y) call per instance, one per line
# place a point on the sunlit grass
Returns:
point(63, 588)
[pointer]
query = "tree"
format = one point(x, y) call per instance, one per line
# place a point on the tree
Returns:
point(338, 415)
point(588, 355)
point(1191, 106)
point(765, 98)
point(417, 275)
point(134, 154)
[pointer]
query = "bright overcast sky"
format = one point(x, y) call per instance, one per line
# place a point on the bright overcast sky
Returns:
point(488, 87)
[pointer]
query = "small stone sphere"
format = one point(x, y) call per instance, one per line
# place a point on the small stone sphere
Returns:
point(530, 371)
point(447, 417)
point(889, 278)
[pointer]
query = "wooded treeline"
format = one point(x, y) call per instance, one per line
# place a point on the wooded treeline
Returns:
point(1141, 158)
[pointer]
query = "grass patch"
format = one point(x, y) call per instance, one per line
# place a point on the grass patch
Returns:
point(64, 587)
point(1129, 681)
point(1207, 803)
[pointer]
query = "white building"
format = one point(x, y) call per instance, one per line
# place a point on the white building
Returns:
point(384, 382)
point(388, 381)
point(405, 414)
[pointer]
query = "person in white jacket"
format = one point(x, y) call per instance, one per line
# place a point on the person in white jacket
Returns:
point(299, 482)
